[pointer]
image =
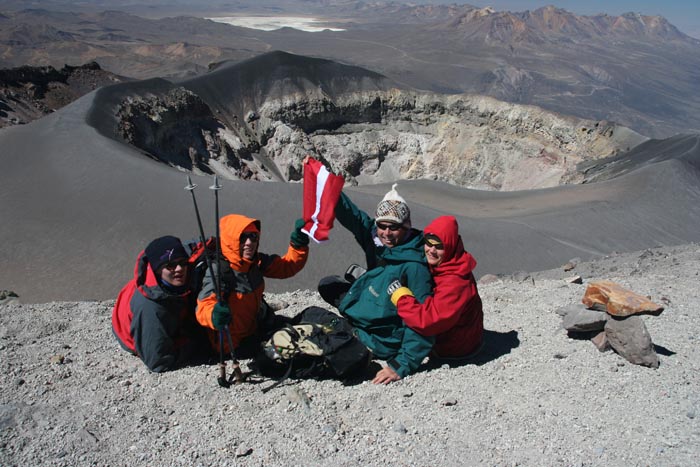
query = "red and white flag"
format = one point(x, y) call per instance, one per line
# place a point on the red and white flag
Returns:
point(321, 193)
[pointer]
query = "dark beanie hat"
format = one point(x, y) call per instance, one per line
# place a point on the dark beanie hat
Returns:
point(163, 250)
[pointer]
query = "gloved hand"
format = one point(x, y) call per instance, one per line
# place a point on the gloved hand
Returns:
point(393, 287)
point(298, 238)
point(354, 272)
point(396, 290)
point(221, 316)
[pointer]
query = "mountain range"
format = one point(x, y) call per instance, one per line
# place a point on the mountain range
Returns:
point(639, 71)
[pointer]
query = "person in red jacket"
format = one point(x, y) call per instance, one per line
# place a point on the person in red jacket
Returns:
point(454, 312)
point(153, 316)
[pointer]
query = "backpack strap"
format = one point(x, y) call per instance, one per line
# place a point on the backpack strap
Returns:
point(240, 282)
point(284, 378)
point(294, 336)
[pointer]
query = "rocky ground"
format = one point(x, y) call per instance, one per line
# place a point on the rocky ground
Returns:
point(70, 397)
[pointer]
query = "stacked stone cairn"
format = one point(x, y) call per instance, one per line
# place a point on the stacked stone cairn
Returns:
point(610, 316)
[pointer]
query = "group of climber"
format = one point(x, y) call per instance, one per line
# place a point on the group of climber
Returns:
point(416, 298)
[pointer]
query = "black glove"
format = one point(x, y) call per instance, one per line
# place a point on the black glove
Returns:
point(221, 316)
point(354, 272)
point(298, 238)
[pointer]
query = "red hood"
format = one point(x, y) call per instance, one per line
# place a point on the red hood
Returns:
point(456, 259)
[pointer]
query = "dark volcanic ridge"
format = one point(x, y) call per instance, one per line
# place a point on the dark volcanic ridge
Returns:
point(28, 93)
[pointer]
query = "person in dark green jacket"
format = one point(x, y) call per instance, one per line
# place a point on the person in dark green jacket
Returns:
point(394, 252)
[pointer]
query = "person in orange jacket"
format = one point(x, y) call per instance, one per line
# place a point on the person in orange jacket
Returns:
point(453, 313)
point(243, 283)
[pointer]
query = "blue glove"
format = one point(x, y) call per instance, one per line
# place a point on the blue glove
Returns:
point(298, 238)
point(221, 316)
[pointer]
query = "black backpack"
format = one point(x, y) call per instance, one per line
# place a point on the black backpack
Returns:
point(198, 253)
point(317, 344)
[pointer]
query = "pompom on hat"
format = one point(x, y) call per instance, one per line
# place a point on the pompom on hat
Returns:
point(393, 208)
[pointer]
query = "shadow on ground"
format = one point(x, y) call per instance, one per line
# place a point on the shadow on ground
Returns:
point(496, 344)
point(661, 350)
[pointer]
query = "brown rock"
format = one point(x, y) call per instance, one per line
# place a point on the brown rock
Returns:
point(618, 301)
point(601, 342)
point(57, 359)
point(630, 339)
point(569, 266)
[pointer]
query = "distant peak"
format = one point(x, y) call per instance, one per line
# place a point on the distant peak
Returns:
point(548, 23)
point(485, 11)
point(551, 8)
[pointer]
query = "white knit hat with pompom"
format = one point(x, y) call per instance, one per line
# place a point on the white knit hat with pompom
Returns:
point(393, 208)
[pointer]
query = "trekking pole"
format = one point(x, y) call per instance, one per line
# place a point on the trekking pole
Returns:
point(223, 382)
point(237, 374)
point(222, 364)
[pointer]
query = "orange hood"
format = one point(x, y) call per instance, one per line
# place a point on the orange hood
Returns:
point(231, 227)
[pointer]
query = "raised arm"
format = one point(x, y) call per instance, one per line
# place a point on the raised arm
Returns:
point(291, 263)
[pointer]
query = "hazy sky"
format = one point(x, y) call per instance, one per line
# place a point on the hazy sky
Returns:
point(684, 14)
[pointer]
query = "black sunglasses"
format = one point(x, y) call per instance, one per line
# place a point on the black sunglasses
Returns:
point(249, 235)
point(434, 241)
point(172, 265)
point(392, 227)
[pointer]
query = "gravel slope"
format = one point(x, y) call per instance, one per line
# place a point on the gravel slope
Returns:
point(535, 397)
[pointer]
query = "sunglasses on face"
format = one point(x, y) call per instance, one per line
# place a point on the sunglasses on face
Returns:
point(432, 240)
point(253, 236)
point(172, 265)
point(391, 227)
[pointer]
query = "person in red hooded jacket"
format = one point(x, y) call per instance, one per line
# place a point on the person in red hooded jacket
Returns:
point(453, 314)
point(153, 316)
